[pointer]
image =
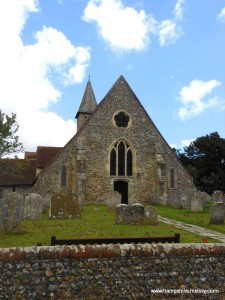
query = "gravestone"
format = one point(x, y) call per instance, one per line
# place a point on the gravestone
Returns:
point(33, 204)
point(197, 202)
point(218, 196)
point(126, 214)
point(11, 213)
point(64, 206)
point(217, 213)
point(115, 199)
point(47, 200)
point(150, 216)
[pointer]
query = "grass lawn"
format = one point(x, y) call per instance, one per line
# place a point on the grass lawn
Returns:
point(189, 217)
point(96, 221)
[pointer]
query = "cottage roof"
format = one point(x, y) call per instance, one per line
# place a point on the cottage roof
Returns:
point(45, 155)
point(88, 103)
point(17, 171)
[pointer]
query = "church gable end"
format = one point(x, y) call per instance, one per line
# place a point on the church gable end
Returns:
point(120, 149)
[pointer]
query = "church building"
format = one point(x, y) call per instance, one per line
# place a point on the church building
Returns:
point(117, 147)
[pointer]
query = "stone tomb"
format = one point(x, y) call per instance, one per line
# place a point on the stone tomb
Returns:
point(126, 214)
point(217, 213)
point(64, 206)
point(33, 204)
point(11, 213)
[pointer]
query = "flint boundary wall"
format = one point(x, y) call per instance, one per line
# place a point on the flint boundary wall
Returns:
point(128, 271)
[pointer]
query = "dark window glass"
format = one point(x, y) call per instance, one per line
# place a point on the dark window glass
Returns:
point(129, 163)
point(121, 119)
point(121, 159)
point(113, 162)
point(63, 176)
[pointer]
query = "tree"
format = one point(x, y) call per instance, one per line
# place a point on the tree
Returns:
point(9, 141)
point(204, 158)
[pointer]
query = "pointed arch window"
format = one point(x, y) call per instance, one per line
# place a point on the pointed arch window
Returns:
point(121, 160)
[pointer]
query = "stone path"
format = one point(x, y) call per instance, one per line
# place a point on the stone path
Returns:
point(195, 229)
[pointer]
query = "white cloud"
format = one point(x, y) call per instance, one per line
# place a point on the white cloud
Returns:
point(221, 15)
point(169, 31)
point(186, 143)
point(123, 28)
point(25, 75)
point(194, 98)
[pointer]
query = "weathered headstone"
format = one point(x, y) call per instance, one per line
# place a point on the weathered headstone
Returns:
point(47, 200)
point(115, 199)
point(217, 213)
point(126, 214)
point(64, 206)
point(197, 202)
point(150, 215)
point(218, 196)
point(33, 204)
point(11, 213)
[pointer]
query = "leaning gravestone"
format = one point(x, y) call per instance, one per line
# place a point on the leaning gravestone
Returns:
point(64, 206)
point(33, 204)
point(150, 215)
point(11, 213)
point(217, 213)
point(126, 214)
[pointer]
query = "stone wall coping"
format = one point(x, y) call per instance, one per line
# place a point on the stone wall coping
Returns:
point(111, 251)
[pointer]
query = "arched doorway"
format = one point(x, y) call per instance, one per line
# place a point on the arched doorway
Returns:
point(122, 187)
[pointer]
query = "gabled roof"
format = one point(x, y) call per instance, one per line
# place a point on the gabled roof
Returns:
point(17, 171)
point(45, 155)
point(88, 103)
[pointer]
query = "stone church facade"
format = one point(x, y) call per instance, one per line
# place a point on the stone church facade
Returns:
point(117, 147)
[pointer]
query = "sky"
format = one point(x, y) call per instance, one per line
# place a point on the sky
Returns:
point(171, 52)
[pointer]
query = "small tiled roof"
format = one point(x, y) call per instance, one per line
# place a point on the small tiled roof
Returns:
point(45, 155)
point(30, 155)
point(17, 171)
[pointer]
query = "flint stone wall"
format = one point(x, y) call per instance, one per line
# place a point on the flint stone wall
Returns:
point(112, 271)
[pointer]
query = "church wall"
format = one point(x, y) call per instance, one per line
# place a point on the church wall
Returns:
point(87, 157)
point(101, 132)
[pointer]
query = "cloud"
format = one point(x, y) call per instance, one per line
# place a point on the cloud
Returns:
point(26, 73)
point(221, 16)
point(169, 31)
point(123, 28)
point(194, 98)
point(186, 143)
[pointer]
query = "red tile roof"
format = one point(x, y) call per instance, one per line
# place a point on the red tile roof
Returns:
point(17, 171)
point(45, 155)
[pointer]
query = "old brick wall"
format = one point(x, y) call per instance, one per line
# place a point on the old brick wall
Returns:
point(113, 272)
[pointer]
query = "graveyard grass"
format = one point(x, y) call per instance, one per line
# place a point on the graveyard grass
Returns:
point(97, 221)
point(189, 217)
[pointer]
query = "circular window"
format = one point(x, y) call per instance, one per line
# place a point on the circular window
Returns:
point(121, 119)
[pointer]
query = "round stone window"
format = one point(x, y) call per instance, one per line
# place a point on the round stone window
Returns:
point(121, 119)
